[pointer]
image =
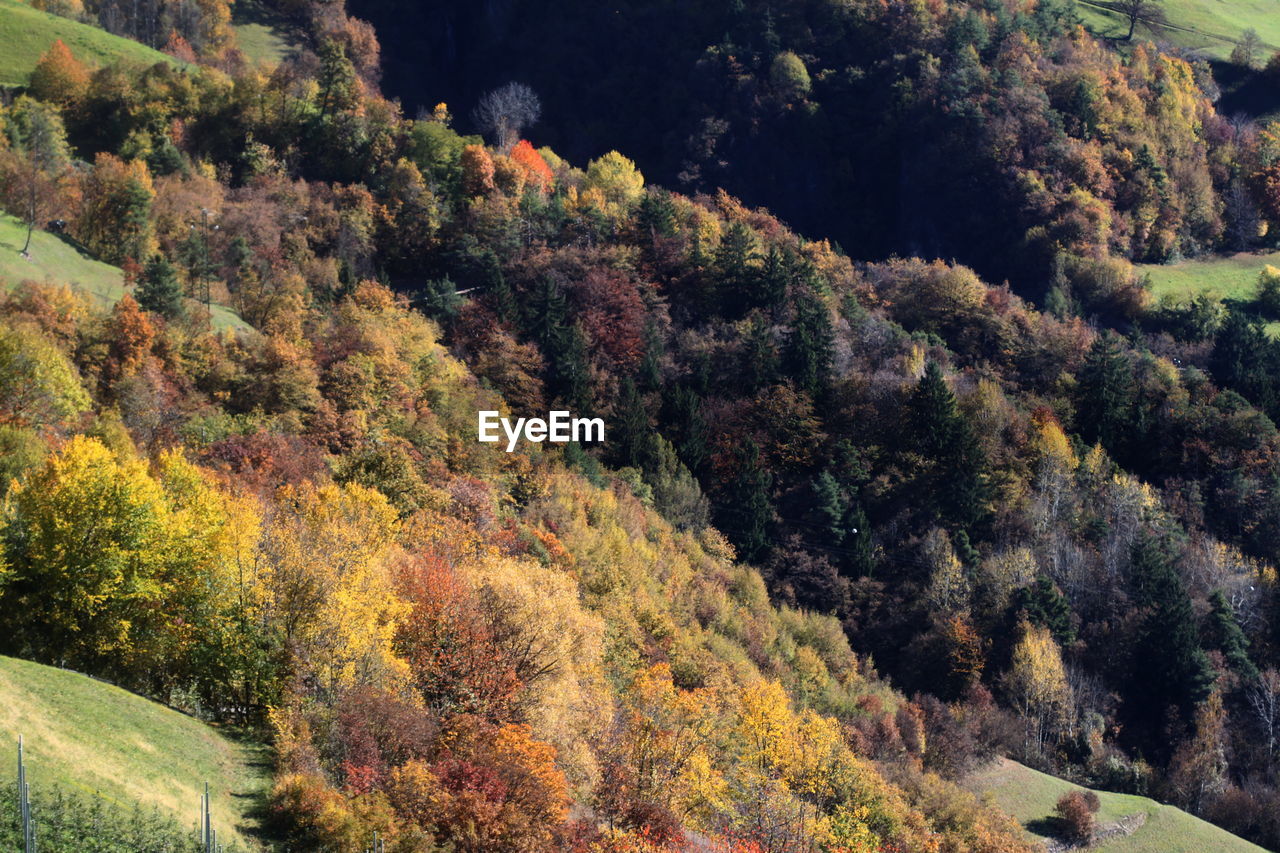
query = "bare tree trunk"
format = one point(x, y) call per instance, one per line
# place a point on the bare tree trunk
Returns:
point(31, 209)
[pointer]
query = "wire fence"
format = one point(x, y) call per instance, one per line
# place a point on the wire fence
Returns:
point(62, 819)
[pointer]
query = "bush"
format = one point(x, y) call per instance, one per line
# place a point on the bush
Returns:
point(1075, 811)
point(1268, 293)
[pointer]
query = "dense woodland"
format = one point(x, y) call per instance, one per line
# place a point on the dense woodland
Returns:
point(858, 526)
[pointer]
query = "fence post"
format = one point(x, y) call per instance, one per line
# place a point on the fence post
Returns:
point(24, 802)
point(206, 821)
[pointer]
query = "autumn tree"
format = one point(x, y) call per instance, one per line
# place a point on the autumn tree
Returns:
point(533, 164)
point(85, 542)
point(476, 166)
point(59, 78)
point(115, 218)
point(39, 386)
point(617, 182)
point(1198, 770)
point(789, 76)
point(36, 132)
point(1075, 809)
point(1037, 685)
point(329, 587)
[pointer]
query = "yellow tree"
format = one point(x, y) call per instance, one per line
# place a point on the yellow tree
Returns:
point(614, 183)
point(1198, 770)
point(38, 383)
point(214, 638)
point(328, 587)
point(949, 585)
point(84, 540)
point(115, 218)
point(1037, 685)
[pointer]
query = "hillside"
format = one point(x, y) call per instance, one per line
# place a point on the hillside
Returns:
point(97, 739)
point(263, 35)
point(1207, 26)
point(1225, 276)
point(26, 34)
point(54, 261)
point(864, 514)
point(1030, 795)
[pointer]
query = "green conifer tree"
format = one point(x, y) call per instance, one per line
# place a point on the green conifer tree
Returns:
point(811, 344)
point(747, 512)
point(955, 485)
point(1169, 667)
point(1223, 633)
point(159, 290)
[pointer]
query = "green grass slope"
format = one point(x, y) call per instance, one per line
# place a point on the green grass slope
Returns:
point(98, 739)
point(1224, 276)
point(1030, 796)
point(26, 33)
point(55, 261)
point(1209, 26)
point(263, 35)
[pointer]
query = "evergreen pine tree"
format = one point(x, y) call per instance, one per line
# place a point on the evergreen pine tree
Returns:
point(811, 344)
point(651, 365)
point(1106, 394)
point(1244, 360)
point(859, 559)
point(735, 275)
point(759, 356)
point(1223, 633)
point(337, 79)
point(688, 426)
point(748, 511)
point(564, 346)
point(570, 377)
point(501, 297)
point(159, 290)
point(774, 276)
point(1169, 667)
point(1042, 604)
point(829, 507)
point(657, 213)
point(955, 486)
point(634, 434)
point(933, 414)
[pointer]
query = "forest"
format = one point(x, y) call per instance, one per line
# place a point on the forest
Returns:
point(905, 469)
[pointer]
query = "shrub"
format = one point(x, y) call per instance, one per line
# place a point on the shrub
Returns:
point(1075, 810)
